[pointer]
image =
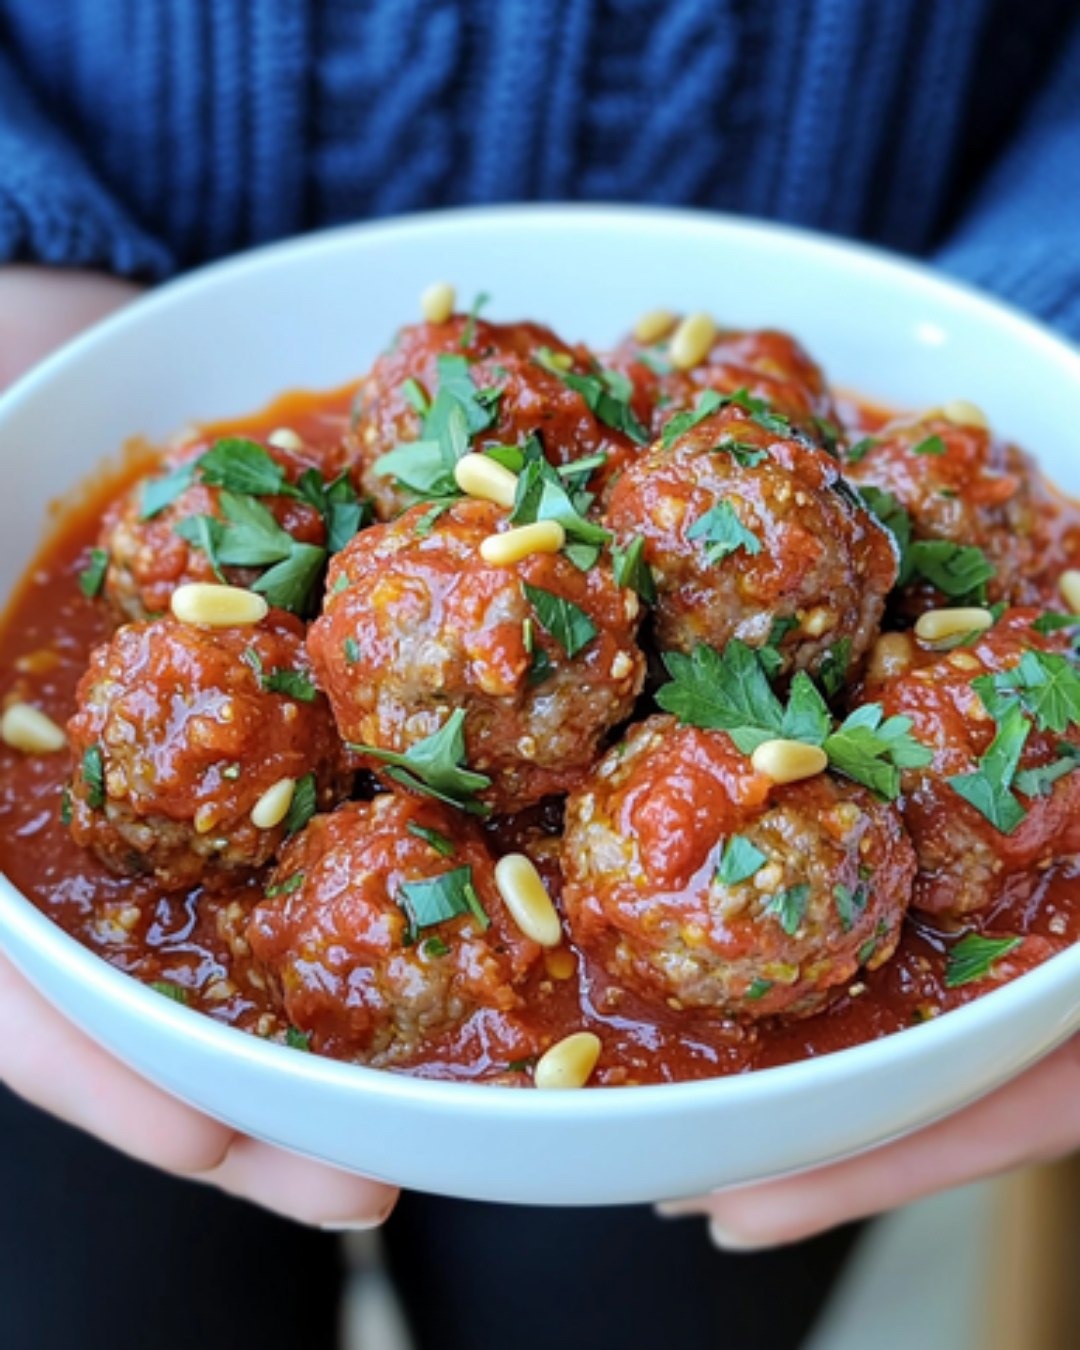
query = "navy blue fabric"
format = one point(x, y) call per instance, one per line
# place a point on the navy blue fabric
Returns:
point(147, 137)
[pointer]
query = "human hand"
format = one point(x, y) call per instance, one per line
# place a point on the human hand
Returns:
point(1035, 1118)
point(43, 1057)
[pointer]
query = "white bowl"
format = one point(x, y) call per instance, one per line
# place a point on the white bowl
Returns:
point(314, 312)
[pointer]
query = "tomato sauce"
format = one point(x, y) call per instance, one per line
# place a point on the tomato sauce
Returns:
point(195, 940)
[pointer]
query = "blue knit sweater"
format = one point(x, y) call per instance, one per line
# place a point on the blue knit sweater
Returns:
point(144, 136)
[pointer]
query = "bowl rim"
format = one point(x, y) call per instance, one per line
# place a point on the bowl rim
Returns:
point(894, 1052)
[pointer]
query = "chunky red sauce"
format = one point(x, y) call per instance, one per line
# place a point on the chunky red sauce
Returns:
point(195, 940)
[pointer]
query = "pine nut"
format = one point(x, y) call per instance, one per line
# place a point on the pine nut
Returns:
point(789, 761)
point(651, 327)
point(961, 413)
point(543, 536)
point(525, 896)
point(201, 602)
point(483, 477)
point(284, 438)
point(692, 341)
point(437, 302)
point(892, 654)
point(1069, 585)
point(569, 1063)
point(273, 806)
point(28, 729)
point(938, 624)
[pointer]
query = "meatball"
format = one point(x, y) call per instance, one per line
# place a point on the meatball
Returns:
point(517, 374)
point(696, 881)
point(367, 969)
point(754, 535)
point(960, 484)
point(767, 364)
point(179, 733)
point(147, 556)
point(539, 654)
point(967, 862)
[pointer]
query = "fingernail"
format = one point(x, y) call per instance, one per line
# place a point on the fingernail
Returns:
point(352, 1225)
point(729, 1241)
point(679, 1209)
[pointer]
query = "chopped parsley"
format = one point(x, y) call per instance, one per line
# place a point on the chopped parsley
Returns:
point(542, 494)
point(295, 684)
point(870, 946)
point(158, 493)
point(959, 571)
point(352, 650)
point(435, 767)
point(932, 445)
point(607, 395)
point(93, 772)
point(850, 903)
point(857, 452)
point(730, 692)
point(413, 394)
point(1050, 622)
point(711, 401)
point(92, 577)
point(1040, 782)
point(989, 788)
point(631, 570)
point(789, 907)
point(449, 896)
point(286, 887)
point(468, 331)
point(739, 861)
point(67, 809)
point(176, 992)
point(303, 805)
point(566, 622)
point(723, 533)
point(758, 989)
point(834, 667)
point(296, 1039)
point(974, 956)
point(434, 838)
point(435, 947)
point(1045, 684)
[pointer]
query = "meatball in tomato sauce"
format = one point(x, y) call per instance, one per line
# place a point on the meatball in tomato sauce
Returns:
point(179, 734)
point(508, 382)
point(698, 882)
point(1001, 798)
point(754, 535)
point(539, 654)
point(958, 485)
point(766, 364)
point(156, 535)
point(383, 927)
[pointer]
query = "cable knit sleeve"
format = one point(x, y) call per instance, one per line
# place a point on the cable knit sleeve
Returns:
point(1022, 236)
point(53, 208)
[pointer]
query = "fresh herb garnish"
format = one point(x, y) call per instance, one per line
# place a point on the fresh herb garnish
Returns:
point(449, 896)
point(711, 401)
point(988, 789)
point(789, 907)
point(352, 650)
point(850, 903)
point(243, 467)
point(932, 445)
point(739, 861)
point(730, 692)
point(468, 331)
point(435, 766)
point(1045, 684)
point(158, 493)
point(286, 887)
point(857, 452)
point(758, 989)
point(607, 395)
point(959, 571)
point(631, 570)
point(723, 533)
point(542, 494)
point(93, 771)
point(435, 947)
point(177, 993)
point(296, 1039)
point(566, 622)
point(1040, 782)
point(974, 956)
point(92, 577)
point(67, 806)
point(834, 667)
point(1050, 622)
point(281, 680)
point(434, 838)
point(888, 511)
point(303, 805)
point(413, 394)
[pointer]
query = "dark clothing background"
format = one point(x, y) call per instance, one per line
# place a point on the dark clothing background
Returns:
point(100, 1253)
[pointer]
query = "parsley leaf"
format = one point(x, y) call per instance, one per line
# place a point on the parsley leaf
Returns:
point(850, 903)
point(435, 766)
point(873, 749)
point(92, 577)
point(889, 512)
point(542, 495)
point(1046, 685)
point(93, 772)
point(1040, 782)
point(158, 493)
point(957, 570)
point(567, 623)
point(303, 805)
point(974, 956)
point(933, 445)
point(296, 1039)
point(857, 452)
point(988, 789)
point(739, 861)
point(1051, 622)
point(449, 896)
point(789, 907)
point(631, 570)
point(723, 533)
point(281, 680)
point(468, 331)
point(286, 887)
point(708, 402)
point(607, 395)
point(758, 989)
point(243, 467)
point(177, 993)
point(834, 667)
point(434, 838)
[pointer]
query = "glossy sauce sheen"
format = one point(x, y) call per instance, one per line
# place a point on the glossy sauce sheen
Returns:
point(196, 941)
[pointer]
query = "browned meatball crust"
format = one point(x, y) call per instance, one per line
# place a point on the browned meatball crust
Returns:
point(698, 882)
point(178, 736)
point(417, 625)
point(753, 535)
point(342, 939)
